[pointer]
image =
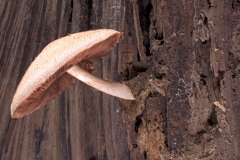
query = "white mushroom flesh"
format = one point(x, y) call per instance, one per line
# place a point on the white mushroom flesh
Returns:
point(115, 89)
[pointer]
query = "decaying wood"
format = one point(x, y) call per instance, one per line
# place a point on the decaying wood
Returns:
point(188, 49)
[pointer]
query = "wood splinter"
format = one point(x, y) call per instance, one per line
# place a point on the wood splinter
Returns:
point(216, 103)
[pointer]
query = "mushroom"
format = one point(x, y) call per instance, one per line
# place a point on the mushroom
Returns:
point(60, 64)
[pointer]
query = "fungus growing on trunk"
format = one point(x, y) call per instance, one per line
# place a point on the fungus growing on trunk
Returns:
point(60, 64)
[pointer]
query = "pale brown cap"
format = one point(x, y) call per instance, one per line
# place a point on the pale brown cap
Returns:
point(46, 77)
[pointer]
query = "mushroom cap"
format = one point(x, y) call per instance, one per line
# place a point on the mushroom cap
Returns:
point(46, 77)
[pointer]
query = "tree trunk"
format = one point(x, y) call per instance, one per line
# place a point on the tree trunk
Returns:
point(181, 59)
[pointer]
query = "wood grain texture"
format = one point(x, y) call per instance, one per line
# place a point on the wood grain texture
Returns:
point(191, 55)
point(78, 124)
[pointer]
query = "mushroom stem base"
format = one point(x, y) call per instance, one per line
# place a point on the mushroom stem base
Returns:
point(115, 89)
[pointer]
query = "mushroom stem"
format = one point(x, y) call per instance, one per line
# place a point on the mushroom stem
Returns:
point(115, 89)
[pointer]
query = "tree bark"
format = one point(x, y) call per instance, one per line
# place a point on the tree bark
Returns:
point(183, 56)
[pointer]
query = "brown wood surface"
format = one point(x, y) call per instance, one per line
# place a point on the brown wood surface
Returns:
point(185, 53)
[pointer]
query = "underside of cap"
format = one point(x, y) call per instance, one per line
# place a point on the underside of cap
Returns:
point(46, 77)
